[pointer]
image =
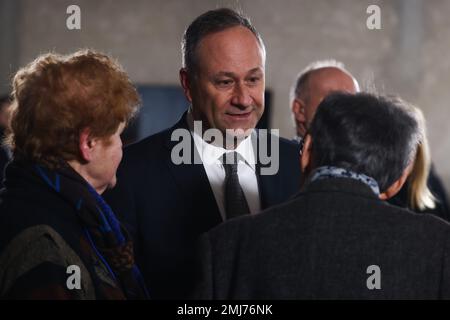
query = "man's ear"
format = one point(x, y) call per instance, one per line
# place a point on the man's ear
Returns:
point(298, 108)
point(186, 84)
point(397, 185)
point(86, 145)
point(305, 158)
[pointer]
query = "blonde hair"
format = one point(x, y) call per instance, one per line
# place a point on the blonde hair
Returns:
point(419, 195)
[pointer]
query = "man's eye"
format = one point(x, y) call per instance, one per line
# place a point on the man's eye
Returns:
point(254, 80)
point(224, 83)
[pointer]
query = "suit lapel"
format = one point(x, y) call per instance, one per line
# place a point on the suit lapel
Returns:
point(269, 185)
point(193, 183)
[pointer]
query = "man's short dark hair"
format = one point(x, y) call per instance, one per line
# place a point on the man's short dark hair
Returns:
point(211, 22)
point(373, 135)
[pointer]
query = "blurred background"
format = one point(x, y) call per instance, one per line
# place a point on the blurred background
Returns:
point(407, 56)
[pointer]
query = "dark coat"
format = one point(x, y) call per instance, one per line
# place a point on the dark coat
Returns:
point(40, 237)
point(168, 206)
point(437, 189)
point(320, 245)
point(4, 158)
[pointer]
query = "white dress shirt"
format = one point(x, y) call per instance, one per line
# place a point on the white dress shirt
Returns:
point(211, 158)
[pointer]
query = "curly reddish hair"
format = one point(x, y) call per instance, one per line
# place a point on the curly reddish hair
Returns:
point(56, 97)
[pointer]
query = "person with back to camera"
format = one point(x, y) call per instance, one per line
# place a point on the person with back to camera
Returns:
point(338, 238)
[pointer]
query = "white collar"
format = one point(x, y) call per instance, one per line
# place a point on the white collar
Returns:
point(211, 154)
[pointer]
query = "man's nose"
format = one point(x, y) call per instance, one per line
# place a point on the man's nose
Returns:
point(241, 96)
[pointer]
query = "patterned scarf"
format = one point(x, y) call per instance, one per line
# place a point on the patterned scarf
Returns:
point(107, 237)
point(334, 172)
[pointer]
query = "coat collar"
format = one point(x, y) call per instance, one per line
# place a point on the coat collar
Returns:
point(343, 185)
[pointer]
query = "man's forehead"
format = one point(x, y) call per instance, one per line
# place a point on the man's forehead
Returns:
point(234, 51)
point(230, 35)
point(256, 70)
point(331, 79)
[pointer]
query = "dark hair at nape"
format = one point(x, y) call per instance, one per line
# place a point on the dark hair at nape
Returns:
point(365, 133)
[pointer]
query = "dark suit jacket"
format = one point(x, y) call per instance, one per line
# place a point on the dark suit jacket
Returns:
point(4, 159)
point(437, 189)
point(320, 244)
point(167, 206)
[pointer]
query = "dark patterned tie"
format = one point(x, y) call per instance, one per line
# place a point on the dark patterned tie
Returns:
point(235, 203)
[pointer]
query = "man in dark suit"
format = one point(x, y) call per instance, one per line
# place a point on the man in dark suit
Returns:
point(178, 184)
point(337, 238)
point(319, 79)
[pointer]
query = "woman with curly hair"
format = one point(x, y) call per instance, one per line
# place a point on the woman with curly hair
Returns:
point(58, 237)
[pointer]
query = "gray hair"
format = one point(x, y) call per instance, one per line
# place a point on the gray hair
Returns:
point(388, 146)
point(298, 90)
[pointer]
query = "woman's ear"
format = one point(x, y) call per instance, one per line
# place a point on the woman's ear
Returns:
point(86, 145)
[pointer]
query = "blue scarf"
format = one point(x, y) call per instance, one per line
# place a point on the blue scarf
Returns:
point(327, 172)
point(107, 237)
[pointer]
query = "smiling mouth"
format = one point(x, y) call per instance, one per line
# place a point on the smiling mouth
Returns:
point(239, 116)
